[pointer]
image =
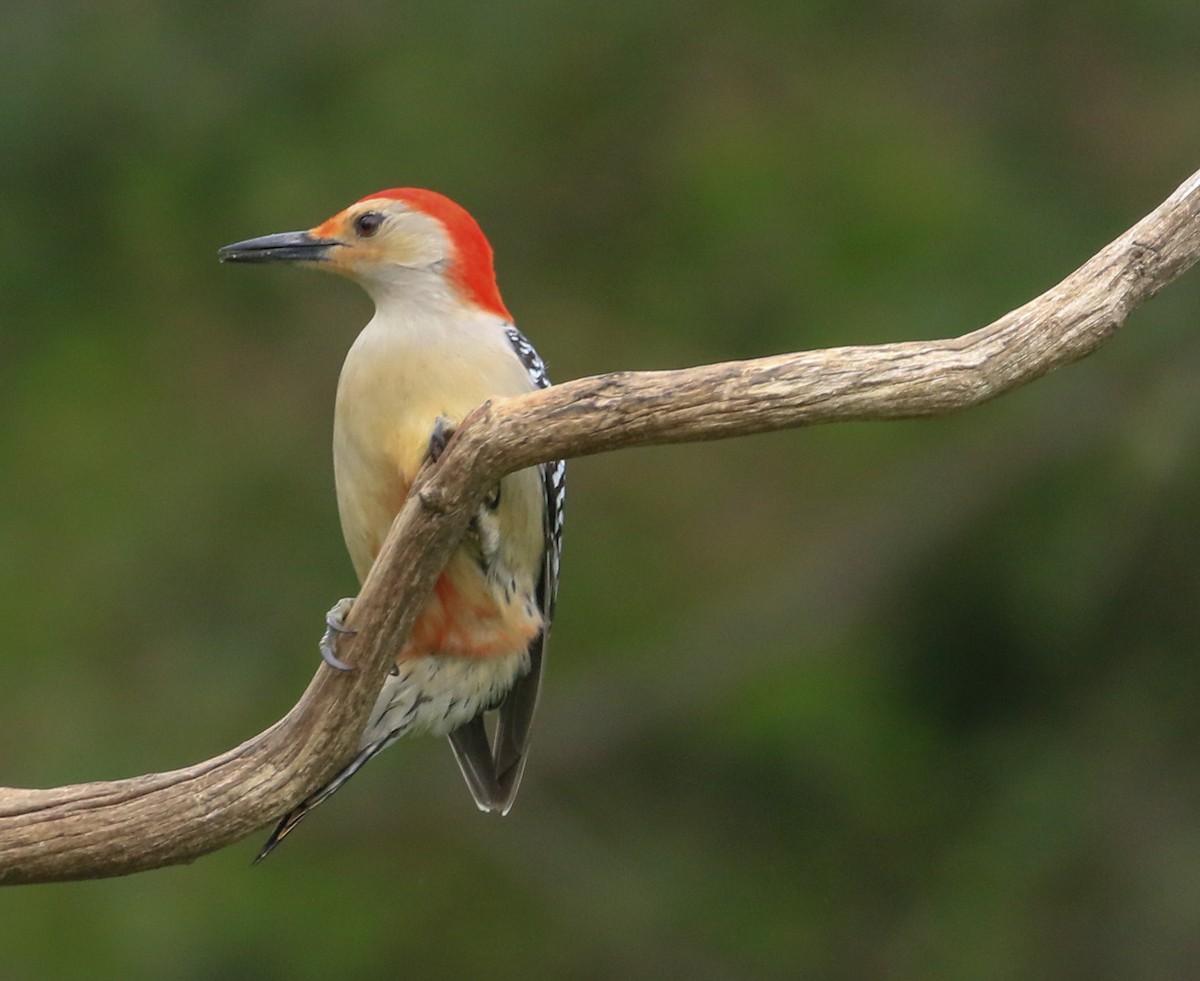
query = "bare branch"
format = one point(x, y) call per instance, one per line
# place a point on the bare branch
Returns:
point(122, 826)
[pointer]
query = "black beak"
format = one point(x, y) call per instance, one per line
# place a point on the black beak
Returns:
point(281, 247)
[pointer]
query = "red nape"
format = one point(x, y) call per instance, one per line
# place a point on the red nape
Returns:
point(473, 270)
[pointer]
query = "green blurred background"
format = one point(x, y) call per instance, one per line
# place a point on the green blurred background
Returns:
point(913, 700)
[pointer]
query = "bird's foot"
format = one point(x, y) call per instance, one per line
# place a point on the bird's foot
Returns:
point(439, 439)
point(335, 627)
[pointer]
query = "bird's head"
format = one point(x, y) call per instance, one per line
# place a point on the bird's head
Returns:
point(402, 239)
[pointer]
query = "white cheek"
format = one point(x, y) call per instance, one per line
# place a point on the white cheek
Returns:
point(406, 259)
point(420, 241)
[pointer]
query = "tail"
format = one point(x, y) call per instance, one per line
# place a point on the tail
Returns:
point(298, 813)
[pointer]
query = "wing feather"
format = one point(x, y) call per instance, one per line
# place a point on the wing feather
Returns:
point(505, 759)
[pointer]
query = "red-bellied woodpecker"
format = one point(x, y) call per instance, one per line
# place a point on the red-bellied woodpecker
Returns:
point(441, 342)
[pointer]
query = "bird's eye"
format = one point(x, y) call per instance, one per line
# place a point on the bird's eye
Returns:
point(367, 224)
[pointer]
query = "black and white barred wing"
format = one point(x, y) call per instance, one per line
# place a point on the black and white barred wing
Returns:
point(495, 786)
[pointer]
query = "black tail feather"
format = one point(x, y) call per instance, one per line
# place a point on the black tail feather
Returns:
point(297, 813)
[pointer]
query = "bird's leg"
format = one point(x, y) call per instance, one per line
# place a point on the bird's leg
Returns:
point(335, 626)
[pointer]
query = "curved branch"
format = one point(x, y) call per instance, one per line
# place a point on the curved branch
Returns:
point(122, 826)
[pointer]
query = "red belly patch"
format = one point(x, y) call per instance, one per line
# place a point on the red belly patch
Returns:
point(463, 618)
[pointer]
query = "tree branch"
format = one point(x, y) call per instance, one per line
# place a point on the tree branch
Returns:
point(121, 826)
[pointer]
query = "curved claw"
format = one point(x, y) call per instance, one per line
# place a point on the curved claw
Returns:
point(439, 439)
point(335, 626)
point(333, 660)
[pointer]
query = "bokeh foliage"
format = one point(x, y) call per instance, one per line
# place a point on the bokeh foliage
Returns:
point(910, 700)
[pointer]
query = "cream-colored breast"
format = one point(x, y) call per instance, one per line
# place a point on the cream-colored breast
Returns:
point(402, 373)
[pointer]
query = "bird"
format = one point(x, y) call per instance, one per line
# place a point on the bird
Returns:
point(440, 343)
